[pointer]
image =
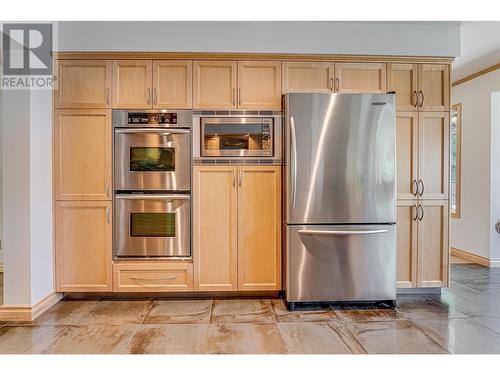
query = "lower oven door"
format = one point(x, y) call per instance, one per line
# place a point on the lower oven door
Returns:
point(152, 225)
point(340, 263)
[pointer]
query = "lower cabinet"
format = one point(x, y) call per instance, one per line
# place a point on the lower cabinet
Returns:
point(83, 246)
point(236, 228)
point(422, 243)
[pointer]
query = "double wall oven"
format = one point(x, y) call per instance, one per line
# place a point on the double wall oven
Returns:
point(152, 183)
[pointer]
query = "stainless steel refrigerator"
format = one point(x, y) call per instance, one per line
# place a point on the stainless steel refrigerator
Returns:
point(339, 198)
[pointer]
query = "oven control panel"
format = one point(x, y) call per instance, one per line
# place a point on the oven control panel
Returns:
point(138, 118)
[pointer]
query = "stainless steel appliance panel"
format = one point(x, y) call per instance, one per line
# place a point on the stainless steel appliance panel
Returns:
point(340, 158)
point(341, 263)
point(152, 225)
point(152, 159)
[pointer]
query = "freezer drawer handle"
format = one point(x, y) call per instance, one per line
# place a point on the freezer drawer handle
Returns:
point(341, 232)
point(153, 196)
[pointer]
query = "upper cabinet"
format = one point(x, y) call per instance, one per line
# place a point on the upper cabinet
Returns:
point(132, 81)
point(423, 87)
point(83, 84)
point(259, 84)
point(172, 84)
point(308, 76)
point(360, 77)
point(215, 84)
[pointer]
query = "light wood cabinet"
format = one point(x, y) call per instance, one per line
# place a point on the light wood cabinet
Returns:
point(82, 154)
point(83, 246)
point(172, 84)
point(308, 76)
point(403, 79)
point(215, 84)
point(434, 148)
point(236, 228)
point(259, 84)
point(407, 154)
point(360, 77)
point(132, 84)
point(215, 217)
point(259, 233)
point(407, 244)
point(83, 84)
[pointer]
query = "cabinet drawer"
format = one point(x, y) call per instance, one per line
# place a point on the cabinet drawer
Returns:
point(152, 277)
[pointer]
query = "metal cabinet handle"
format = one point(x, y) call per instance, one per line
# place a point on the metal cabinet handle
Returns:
point(107, 214)
point(108, 95)
point(423, 98)
point(107, 187)
point(415, 210)
point(422, 212)
point(331, 84)
point(240, 177)
point(234, 178)
point(155, 97)
point(153, 278)
point(414, 187)
point(293, 164)
point(341, 232)
point(234, 96)
point(239, 96)
point(337, 82)
point(421, 183)
point(149, 96)
point(415, 97)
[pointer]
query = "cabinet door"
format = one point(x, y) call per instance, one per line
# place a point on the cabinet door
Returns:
point(308, 76)
point(259, 84)
point(172, 84)
point(132, 80)
point(215, 228)
point(433, 248)
point(407, 154)
point(259, 228)
point(434, 149)
point(82, 154)
point(402, 78)
point(83, 84)
point(407, 244)
point(83, 246)
point(434, 83)
point(360, 77)
point(214, 84)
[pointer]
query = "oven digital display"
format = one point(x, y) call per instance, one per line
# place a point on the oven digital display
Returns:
point(155, 224)
point(152, 159)
point(152, 118)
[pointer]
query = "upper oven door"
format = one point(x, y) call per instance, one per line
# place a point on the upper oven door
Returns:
point(238, 136)
point(152, 159)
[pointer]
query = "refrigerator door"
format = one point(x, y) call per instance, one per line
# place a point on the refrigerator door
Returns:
point(340, 263)
point(340, 158)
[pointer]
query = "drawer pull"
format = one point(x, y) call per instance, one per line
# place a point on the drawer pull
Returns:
point(154, 278)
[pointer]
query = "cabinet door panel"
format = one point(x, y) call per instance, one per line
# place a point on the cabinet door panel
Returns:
point(434, 154)
point(132, 80)
point(214, 84)
point(433, 249)
point(82, 154)
point(407, 244)
point(402, 78)
point(83, 246)
point(259, 228)
point(172, 84)
point(308, 76)
point(434, 82)
point(83, 84)
point(407, 154)
point(215, 228)
point(259, 84)
point(360, 77)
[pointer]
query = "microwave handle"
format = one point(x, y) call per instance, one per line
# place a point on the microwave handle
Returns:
point(153, 196)
point(153, 131)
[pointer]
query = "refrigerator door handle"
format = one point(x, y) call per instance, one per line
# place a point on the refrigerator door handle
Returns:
point(293, 151)
point(341, 232)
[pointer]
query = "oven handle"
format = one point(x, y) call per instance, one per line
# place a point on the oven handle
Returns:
point(153, 131)
point(171, 197)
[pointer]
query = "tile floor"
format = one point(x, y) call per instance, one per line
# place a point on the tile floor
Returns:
point(464, 319)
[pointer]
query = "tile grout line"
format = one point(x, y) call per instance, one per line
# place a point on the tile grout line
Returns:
point(420, 329)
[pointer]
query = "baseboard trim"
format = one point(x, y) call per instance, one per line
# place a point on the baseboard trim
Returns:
point(29, 313)
point(470, 257)
point(495, 262)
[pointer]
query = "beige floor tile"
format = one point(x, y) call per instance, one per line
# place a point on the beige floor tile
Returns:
point(92, 339)
point(462, 336)
point(170, 339)
point(242, 311)
point(284, 315)
point(117, 312)
point(245, 338)
point(27, 339)
point(318, 338)
point(425, 307)
point(393, 337)
point(180, 311)
point(367, 314)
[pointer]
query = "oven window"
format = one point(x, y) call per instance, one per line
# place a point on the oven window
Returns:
point(152, 224)
point(152, 159)
point(234, 137)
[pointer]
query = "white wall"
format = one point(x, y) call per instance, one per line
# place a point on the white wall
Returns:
point(495, 178)
point(363, 38)
point(472, 231)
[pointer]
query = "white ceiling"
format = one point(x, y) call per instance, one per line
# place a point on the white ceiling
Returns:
point(480, 48)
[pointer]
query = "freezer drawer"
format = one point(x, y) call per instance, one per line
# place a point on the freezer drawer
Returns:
point(340, 263)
